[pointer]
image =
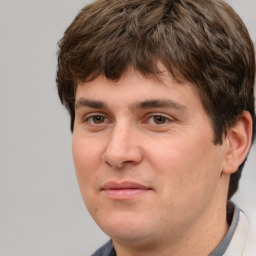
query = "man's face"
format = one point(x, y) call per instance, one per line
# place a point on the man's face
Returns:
point(144, 157)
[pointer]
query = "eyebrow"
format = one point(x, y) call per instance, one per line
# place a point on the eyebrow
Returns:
point(147, 104)
point(82, 102)
point(159, 103)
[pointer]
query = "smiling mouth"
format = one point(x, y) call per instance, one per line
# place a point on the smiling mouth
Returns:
point(125, 190)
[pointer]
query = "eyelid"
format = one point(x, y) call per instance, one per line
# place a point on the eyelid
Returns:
point(87, 116)
point(155, 114)
point(93, 121)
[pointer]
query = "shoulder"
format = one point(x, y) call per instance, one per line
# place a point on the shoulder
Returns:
point(244, 239)
point(106, 250)
point(250, 244)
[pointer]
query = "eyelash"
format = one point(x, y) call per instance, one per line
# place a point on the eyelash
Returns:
point(161, 116)
point(91, 119)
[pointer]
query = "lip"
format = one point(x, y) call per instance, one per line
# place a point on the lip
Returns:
point(124, 190)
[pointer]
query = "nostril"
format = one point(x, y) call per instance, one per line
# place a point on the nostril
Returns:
point(127, 162)
point(118, 165)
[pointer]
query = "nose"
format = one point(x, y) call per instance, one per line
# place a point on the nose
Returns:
point(123, 147)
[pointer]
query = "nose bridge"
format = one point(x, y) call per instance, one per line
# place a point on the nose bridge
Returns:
point(120, 135)
point(122, 146)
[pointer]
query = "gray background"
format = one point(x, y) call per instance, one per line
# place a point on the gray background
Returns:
point(41, 210)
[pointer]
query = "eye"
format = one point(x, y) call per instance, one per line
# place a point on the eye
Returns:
point(96, 119)
point(158, 120)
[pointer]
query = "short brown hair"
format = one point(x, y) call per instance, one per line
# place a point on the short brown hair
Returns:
point(202, 41)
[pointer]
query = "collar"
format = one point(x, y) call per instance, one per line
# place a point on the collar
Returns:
point(234, 241)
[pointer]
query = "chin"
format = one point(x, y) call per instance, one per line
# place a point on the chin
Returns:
point(125, 228)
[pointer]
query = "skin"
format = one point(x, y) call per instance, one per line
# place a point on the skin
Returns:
point(157, 135)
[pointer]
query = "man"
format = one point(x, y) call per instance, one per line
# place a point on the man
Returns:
point(160, 94)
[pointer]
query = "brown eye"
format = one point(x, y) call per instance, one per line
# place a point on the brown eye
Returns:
point(96, 119)
point(158, 120)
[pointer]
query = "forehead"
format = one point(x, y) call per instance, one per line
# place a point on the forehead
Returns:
point(134, 84)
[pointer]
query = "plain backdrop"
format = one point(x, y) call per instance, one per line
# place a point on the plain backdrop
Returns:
point(41, 210)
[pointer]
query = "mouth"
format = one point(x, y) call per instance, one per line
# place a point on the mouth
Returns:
point(124, 190)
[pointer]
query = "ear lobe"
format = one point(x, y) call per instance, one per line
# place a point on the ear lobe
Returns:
point(238, 142)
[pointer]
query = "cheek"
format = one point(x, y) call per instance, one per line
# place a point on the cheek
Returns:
point(86, 154)
point(190, 168)
point(87, 158)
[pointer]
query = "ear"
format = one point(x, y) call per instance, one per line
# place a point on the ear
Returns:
point(238, 143)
